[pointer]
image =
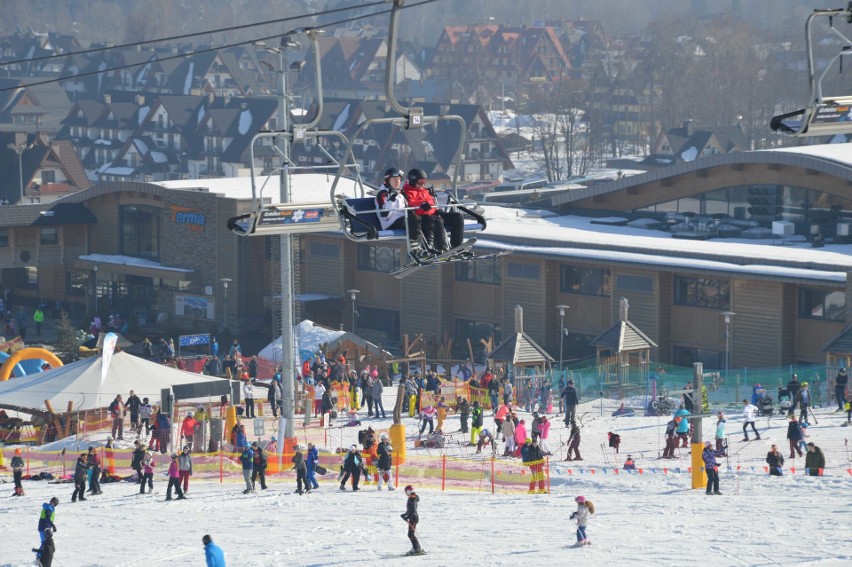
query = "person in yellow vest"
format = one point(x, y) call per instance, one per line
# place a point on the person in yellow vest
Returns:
point(442, 414)
point(38, 317)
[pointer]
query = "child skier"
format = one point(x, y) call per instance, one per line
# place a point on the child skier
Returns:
point(45, 520)
point(411, 519)
point(301, 467)
point(44, 554)
point(147, 473)
point(18, 473)
point(585, 508)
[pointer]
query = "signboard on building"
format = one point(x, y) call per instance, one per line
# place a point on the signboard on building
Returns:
point(195, 306)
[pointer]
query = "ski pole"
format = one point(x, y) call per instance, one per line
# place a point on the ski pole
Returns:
point(846, 443)
point(816, 421)
point(738, 476)
point(418, 535)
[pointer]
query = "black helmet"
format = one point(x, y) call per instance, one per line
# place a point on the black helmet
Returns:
point(393, 172)
point(416, 174)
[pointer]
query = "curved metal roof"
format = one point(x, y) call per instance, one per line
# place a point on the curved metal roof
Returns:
point(831, 159)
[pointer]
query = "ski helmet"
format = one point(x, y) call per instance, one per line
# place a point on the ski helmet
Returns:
point(48, 533)
point(415, 174)
point(393, 172)
point(580, 499)
point(409, 490)
point(54, 500)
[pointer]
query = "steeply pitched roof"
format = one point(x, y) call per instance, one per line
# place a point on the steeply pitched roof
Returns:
point(520, 349)
point(842, 343)
point(623, 336)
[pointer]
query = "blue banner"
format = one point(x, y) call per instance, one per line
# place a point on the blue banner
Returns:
point(193, 340)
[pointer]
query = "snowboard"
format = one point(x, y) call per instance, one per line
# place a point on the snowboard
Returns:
point(321, 469)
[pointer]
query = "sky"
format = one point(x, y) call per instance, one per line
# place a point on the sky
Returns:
point(652, 518)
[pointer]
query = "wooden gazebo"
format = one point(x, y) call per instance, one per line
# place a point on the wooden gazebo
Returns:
point(623, 354)
point(521, 351)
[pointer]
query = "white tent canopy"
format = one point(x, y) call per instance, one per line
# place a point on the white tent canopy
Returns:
point(79, 383)
point(309, 336)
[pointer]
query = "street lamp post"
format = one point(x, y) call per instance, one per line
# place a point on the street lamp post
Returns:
point(20, 149)
point(353, 295)
point(562, 309)
point(728, 315)
point(225, 282)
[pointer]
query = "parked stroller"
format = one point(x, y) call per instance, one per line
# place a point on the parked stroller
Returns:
point(764, 406)
point(785, 403)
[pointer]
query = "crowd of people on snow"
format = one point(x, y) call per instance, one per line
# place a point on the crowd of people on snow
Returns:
point(370, 460)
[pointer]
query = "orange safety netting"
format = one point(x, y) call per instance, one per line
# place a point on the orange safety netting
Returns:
point(438, 472)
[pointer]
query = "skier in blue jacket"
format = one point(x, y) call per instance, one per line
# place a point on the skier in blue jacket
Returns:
point(711, 468)
point(312, 460)
point(213, 554)
point(45, 520)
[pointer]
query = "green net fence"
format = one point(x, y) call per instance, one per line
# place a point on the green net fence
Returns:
point(724, 388)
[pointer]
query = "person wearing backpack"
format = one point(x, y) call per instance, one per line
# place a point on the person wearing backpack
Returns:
point(260, 463)
point(585, 508)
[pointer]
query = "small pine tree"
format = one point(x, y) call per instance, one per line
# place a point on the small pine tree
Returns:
point(67, 341)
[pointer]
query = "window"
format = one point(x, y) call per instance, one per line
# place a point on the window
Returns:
point(475, 330)
point(383, 259)
point(637, 284)
point(4, 237)
point(140, 231)
point(483, 271)
point(526, 271)
point(77, 283)
point(822, 304)
point(383, 321)
point(703, 292)
point(48, 176)
point(26, 278)
point(49, 235)
point(578, 346)
point(324, 249)
point(711, 359)
point(585, 281)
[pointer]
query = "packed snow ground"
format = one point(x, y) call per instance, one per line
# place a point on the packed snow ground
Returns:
point(652, 518)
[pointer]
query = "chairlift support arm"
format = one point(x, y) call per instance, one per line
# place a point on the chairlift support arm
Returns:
point(823, 115)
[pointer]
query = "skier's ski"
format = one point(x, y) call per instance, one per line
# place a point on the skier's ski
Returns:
point(406, 554)
point(816, 421)
point(415, 266)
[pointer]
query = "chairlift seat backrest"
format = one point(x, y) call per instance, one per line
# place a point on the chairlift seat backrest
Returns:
point(365, 209)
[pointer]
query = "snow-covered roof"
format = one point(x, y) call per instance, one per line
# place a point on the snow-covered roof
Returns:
point(841, 153)
point(304, 187)
point(120, 260)
point(583, 239)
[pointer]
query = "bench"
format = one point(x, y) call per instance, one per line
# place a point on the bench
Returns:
point(363, 217)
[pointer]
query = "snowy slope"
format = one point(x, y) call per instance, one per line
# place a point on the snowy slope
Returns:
point(652, 518)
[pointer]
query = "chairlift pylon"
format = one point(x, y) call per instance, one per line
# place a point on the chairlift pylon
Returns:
point(824, 115)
